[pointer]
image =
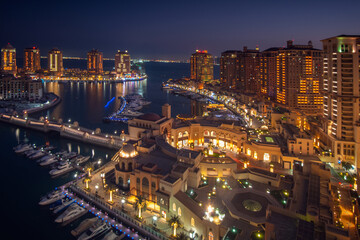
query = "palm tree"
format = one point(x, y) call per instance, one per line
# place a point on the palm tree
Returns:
point(174, 222)
point(89, 167)
point(111, 188)
point(86, 181)
point(182, 236)
point(140, 205)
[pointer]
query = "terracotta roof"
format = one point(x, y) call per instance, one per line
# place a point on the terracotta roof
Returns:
point(150, 117)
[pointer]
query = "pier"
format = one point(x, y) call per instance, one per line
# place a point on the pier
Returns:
point(72, 131)
point(113, 215)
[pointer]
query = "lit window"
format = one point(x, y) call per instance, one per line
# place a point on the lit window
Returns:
point(211, 236)
point(266, 156)
point(192, 222)
point(174, 207)
point(179, 211)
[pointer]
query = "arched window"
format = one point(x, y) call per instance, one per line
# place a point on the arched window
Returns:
point(266, 156)
point(138, 180)
point(174, 207)
point(123, 166)
point(179, 211)
point(130, 166)
point(206, 133)
point(180, 134)
point(255, 154)
point(153, 185)
point(145, 182)
point(121, 181)
point(185, 134)
point(248, 152)
point(213, 134)
point(192, 222)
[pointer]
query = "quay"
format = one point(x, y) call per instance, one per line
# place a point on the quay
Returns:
point(72, 131)
point(113, 215)
point(90, 80)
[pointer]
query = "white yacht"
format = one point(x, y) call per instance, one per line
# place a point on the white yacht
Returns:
point(95, 230)
point(49, 161)
point(70, 213)
point(23, 148)
point(81, 159)
point(52, 197)
point(44, 158)
point(64, 204)
point(62, 168)
point(39, 154)
point(131, 113)
point(30, 152)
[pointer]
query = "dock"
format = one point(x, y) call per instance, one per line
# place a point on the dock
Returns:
point(72, 131)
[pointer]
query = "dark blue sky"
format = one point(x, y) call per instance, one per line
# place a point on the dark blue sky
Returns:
point(172, 29)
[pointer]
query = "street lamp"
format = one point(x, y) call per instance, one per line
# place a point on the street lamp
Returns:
point(96, 188)
point(154, 220)
point(122, 204)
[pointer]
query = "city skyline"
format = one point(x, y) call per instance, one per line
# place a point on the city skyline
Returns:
point(167, 30)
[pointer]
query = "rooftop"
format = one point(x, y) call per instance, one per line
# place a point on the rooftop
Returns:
point(153, 117)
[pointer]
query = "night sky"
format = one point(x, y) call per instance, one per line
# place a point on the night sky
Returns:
point(172, 29)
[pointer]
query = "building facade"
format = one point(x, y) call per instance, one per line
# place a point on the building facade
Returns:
point(292, 77)
point(230, 68)
point(8, 59)
point(341, 95)
point(122, 63)
point(95, 62)
point(202, 66)
point(20, 88)
point(55, 62)
point(240, 70)
point(32, 59)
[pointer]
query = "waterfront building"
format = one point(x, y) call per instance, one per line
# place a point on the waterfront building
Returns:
point(230, 68)
point(32, 59)
point(240, 70)
point(202, 66)
point(122, 63)
point(95, 62)
point(292, 77)
point(55, 62)
point(8, 59)
point(341, 96)
point(20, 88)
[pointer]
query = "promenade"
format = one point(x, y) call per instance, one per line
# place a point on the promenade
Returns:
point(72, 131)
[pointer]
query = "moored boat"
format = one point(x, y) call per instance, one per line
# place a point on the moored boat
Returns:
point(52, 197)
point(72, 212)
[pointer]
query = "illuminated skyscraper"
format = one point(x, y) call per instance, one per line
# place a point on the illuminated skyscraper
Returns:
point(95, 62)
point(55, 62)
point(292, 76)
point(8, 59)
point(202, 66)
point(342, 94)
point(122, 63)
point(230, 68)
point(240, 70)
point(32, 59)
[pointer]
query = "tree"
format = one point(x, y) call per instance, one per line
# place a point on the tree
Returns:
point(111, 188)
point(140, 205)
point(89, 167)
point(182, 236)
point(174, 222)
point(86, 181)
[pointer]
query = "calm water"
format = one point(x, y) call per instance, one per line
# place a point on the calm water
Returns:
point(23, 181)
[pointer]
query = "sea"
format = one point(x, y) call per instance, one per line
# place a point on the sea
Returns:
point(23, 181)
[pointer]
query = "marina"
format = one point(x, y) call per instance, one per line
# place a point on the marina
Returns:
point(130, 105)
point(74, 96)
